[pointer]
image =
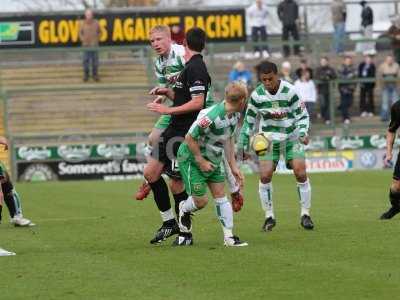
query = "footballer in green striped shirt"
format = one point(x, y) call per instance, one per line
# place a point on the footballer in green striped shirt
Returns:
point(199, 161)
point(284, 120)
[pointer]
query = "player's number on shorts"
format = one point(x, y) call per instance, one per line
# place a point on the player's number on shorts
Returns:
point(174, 165)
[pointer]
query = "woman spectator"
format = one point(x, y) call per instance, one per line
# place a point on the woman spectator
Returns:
point(307, 91)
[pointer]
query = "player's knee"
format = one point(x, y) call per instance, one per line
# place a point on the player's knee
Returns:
point(150, 175)
point(266, 178)
point(176, 186)
point(200, 201)
point(300, 174)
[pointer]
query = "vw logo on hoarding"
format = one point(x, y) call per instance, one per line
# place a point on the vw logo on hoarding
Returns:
point(368, 160)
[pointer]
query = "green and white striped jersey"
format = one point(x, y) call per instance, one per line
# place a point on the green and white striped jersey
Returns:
point(212, 128)
point(167, 69)
point(283, 116)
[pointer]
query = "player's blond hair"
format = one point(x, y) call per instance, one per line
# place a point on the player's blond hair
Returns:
point(161, 28)
point(236, 91)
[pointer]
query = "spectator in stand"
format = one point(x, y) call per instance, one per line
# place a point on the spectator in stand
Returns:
point(286, 72)
point(307, 91)
point(338, 10)
point(304, 67)
point(367, 70)
point(394, 34)
point(257, 16)
point(347, 72)
point(89, 34)
point(325, 74)
point(288, 13)
point(240, 73)
point(388, 72)
point(367, 20)
point(177, 34)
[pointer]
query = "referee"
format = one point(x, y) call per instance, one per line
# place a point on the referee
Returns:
point(188, 96)
point(394, 194)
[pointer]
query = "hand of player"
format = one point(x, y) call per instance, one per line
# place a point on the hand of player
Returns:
point(161, 91)
point(160, 108)
point(159, 99)
point(388, 158)
point(304, 140)
point(3, 141)
point(238, 176)
point(205, 165)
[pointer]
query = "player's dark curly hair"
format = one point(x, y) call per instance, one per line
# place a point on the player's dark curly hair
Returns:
point(266, 67)
point(196, 39)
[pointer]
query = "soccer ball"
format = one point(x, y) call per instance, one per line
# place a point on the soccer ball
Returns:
point(260, 144)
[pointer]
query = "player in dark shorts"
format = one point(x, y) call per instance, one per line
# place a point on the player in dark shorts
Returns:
point(188, 96)
point(394, 194)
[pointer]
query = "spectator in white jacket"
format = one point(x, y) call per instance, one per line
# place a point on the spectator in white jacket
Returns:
point(307, 91)
point(257, 17)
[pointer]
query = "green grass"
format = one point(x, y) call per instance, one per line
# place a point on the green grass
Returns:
point(92, 242)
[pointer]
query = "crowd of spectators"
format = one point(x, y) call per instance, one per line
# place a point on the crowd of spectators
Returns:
point(317, 86)
point(351, 79)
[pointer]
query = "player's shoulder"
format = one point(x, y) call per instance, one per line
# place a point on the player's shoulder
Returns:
point(258, 92)
point(178, 49)
point(211, 113)
point(206, 117)
point(287, 88)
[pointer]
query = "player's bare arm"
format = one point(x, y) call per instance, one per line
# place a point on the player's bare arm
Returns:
point(194, 147)
point(390, 137)
point(230, 156)
point(195, 104)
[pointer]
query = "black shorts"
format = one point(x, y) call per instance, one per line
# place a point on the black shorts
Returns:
point(167, 148)
point(396, 172)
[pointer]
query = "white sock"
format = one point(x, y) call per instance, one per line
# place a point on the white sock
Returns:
point(265, 191)
point(189, 205)
point(167, 215)
point(304, 189)
point(225, 215)
point(232, 184)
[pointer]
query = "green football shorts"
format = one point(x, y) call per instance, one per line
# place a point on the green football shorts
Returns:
point(289, 149)
point(194, 179)
point(163, 122)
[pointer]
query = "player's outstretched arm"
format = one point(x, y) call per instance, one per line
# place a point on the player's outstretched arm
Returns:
point(163, 91)
point(195, 104)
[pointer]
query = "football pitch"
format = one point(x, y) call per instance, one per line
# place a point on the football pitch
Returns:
point(92, 242)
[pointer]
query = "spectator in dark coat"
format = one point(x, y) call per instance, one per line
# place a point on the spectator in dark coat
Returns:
point(325, 74)
point(346, 72)
point(288, 13)
point(367, 20)
point(367, 70)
